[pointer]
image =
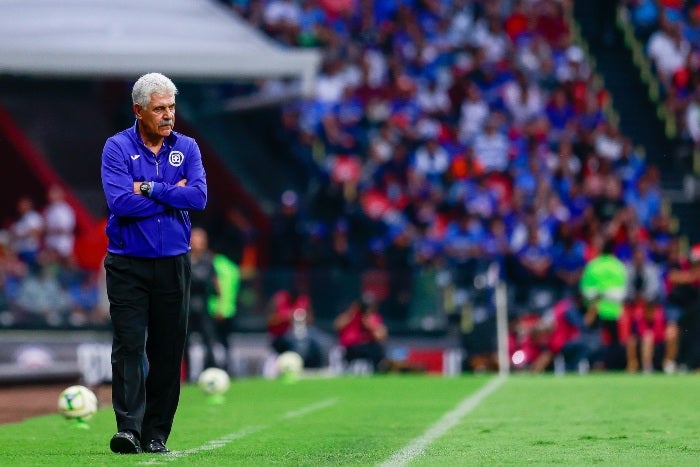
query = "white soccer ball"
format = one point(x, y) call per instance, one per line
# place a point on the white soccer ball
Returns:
point(290, 363)
point(77, 402)
point(214, 381)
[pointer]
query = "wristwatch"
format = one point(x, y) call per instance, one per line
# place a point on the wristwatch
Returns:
point(145, 188)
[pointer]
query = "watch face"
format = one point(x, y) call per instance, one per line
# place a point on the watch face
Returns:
point(145, 187)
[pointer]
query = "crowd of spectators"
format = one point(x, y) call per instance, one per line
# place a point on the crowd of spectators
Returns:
point(41, 282)
point(669, 31)
point(456, 135)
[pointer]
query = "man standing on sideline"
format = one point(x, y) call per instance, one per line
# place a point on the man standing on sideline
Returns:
point(151, 177)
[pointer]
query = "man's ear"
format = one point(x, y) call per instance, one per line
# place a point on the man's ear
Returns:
point(137, 110)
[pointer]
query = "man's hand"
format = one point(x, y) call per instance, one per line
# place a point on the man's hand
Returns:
point(182, 182)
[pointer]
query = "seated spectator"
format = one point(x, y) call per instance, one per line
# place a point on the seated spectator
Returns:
point(560, 113)
point(610, 202)
point(517, 23)
point(289, 325)
point(608, 142)
point(84, 294)
point(573, 71)
point(281, 20)
point(433, 99)
point(691, 27)
point(533, 265)
point(645, 17)
point(692, 118)
point(572, 335)
point(551, 24)
point(26, 232)
point(522, 98)
point(645, 198)
point(630, 165)
point(489, 36)
point(311, 30)
point(40, 300)
point(59, 222)
point(491, 147)
point(362, 333)
point(474, 112)
point(661, 240)
point(568, 258)
point(668, 49)
point(431, 160)
point(463, 245)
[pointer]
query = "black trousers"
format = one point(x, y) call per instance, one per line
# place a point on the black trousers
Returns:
point(149, 303)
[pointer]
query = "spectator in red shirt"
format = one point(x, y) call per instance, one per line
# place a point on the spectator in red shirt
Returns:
point(572, 334)
point(551, 25)
point(516, 24)
point(645, 323)
point(289, 325)
point(361, 331)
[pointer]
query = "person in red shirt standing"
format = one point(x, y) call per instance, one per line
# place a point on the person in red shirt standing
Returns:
point(361, 331)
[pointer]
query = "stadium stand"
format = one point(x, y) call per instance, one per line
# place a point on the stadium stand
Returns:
point(396, 79)
point(442, 144)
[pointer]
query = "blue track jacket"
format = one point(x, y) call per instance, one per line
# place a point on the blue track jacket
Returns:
point(159, 225)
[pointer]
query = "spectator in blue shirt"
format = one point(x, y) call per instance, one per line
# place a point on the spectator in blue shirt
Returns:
point(568, 258)
point(645, 199)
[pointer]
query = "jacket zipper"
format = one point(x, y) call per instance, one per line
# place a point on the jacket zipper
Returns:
point(160, 227)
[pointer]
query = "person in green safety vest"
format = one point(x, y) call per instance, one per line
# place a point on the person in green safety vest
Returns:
point(222, 307)
point(604, 285)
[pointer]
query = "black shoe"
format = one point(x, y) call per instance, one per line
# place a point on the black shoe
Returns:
point(157, 446)
point(124, 442)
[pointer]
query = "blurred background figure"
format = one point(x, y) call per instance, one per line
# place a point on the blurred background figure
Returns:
point(59, 222)
point(362, 333)
point(289, 326)
point(643, 323)
point(604, 285)
point(204, 285)
point(222, 306)
point(683, 311)
point(572, 335)
point(27, 231)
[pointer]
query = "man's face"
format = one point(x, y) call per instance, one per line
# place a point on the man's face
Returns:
point(158, 118)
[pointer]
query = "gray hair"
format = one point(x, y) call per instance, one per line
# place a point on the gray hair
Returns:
point(151, 83)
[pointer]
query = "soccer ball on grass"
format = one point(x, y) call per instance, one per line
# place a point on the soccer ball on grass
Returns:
point(77, 403)
point(290, 364)
point(214, 381)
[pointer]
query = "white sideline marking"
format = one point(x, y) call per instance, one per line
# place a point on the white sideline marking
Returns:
point(226, 439)
point(416, 447)
point(311, 408)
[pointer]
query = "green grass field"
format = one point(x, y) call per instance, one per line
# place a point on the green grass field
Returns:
point(612, 419)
